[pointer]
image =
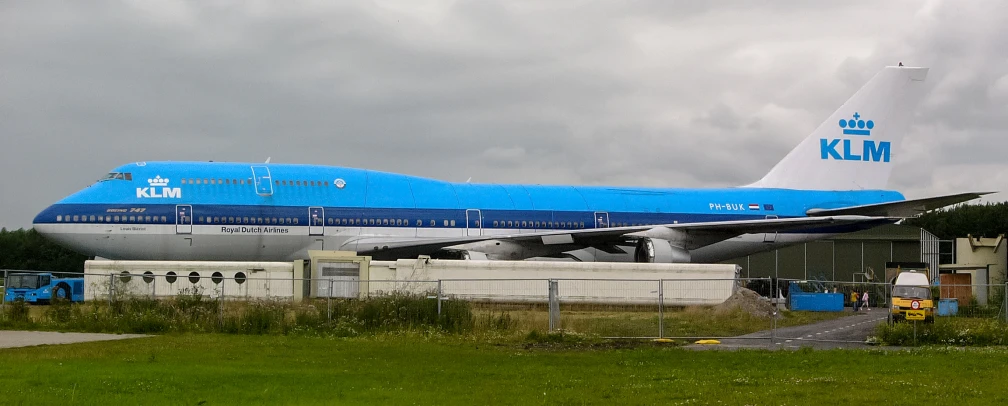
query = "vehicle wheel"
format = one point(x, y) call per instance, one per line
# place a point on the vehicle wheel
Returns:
point(61, 292)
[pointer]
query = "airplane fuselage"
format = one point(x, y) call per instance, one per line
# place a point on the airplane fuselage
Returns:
point(246, 211)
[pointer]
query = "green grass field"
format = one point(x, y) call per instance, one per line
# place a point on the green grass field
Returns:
point(412, 368)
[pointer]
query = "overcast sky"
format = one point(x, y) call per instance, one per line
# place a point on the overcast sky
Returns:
point(643, 93)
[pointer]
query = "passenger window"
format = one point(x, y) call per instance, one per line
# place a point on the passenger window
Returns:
point(205, 181)
point(216, 220)
point(164, 219)
point(581, 224)
point(59, 218)
point(116, 218)
point(358, 222)
point(330, 221)
point(132, 219)
point(453, 223)
point(147, 219)
point(92, 219)
point(220, 181)
point(446, 223)
point(524, 224)
point(398, 222)
point(495, 223)
point(197, 181)
point(419, 223)
point(227, 181)
point(76, 218)
point(201, 219)
point(295, 220)
point(183, 181)
point(313, 183)
point(384, 222)
point(347, 222)
point(213, 181)
point(108, 219)
point(245, 220)
point(509, 224)
point(277, 182)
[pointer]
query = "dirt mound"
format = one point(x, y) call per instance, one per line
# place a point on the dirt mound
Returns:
point(749, 301)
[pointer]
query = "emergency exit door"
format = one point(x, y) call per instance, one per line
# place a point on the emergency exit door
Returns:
point(183, 219)
point(316, 221)
point(263, 181)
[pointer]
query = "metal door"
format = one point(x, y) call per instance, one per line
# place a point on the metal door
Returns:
point(770, 237)
point(263, 180)
point(316, 221)
point(339, 279)
point(601, 219)
point(474, 222)
point(183, 219)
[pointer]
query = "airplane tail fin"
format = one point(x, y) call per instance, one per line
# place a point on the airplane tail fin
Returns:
point(855, 148)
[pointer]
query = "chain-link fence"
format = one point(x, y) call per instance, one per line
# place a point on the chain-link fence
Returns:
point(616, 308)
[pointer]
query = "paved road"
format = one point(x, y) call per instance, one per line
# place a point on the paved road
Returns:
point(845, 332)
point(11, 339)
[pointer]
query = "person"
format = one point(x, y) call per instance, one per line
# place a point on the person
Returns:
point(854, 300)
point(864, 301)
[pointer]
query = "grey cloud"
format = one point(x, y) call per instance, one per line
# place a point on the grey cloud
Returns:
point(651, 93)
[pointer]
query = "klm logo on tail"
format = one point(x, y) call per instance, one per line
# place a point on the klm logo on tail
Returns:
point(845, 149)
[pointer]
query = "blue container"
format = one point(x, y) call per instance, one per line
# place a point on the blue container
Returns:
point(948, 307)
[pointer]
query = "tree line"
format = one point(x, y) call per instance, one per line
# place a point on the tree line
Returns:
point(978, 220)
point(29, 250)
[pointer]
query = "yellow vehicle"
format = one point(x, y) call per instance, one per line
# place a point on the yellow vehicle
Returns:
point(911, 298)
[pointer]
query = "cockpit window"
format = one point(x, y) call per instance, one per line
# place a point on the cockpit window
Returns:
point(117, 176)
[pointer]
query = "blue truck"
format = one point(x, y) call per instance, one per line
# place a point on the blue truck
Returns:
point(40, 288)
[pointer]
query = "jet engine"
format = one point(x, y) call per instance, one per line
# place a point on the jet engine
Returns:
point(655, 250)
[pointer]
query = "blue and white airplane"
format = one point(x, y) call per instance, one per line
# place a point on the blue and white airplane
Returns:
point(833, 182)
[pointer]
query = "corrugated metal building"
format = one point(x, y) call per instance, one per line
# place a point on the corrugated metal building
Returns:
point(846, 257)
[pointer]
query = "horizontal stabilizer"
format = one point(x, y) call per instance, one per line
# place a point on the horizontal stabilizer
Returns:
point(906, 208)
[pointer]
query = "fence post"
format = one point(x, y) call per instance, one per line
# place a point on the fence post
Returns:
point(329, 300)
point(154, 287)
point(773, 317)
point(111, 288)
point(1005, 295)
point(554, 306)
point(439, 297)
point(661, 308)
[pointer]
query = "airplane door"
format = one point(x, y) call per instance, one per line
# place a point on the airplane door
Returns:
point(474, 222)
point(263, 180)
point(316, 221)
point(601, 219)
point(183, 219)
point(770, 237)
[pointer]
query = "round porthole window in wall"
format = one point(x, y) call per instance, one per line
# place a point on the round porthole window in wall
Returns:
point(125, 277)
point(194, 277)
point(240, 278)
point(171, 277)
point(217, 278)
point(148, 276)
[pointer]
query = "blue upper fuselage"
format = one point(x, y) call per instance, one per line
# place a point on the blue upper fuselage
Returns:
point(284, 190)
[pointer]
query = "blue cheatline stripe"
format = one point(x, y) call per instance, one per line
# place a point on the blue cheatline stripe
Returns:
point(456, 218)
point(397, 218)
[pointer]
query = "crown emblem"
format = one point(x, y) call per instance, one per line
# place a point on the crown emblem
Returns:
point(856, 126)
point(158, 181)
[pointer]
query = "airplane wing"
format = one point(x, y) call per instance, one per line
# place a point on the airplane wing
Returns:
point(906, 208)
point(691, 235)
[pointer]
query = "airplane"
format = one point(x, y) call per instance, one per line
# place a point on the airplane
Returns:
point(832, 182)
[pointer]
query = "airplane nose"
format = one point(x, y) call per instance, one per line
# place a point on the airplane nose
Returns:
point(41, 221)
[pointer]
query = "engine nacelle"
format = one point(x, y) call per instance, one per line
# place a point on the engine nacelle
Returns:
point(658, 251)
